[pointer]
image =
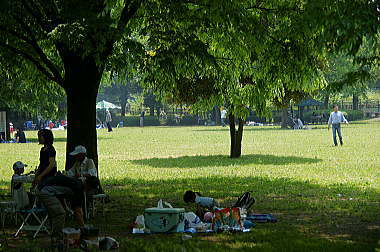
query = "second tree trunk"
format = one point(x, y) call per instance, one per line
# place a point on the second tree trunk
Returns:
point(236, 136)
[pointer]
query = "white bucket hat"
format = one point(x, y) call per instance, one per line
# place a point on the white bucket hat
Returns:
point(79, 149)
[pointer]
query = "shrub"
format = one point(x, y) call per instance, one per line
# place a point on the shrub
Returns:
point(189, 120)
point(354, 115)
point(134, 121)
point(351, 115)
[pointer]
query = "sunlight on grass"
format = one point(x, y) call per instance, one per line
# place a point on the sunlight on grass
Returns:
point(316, 190)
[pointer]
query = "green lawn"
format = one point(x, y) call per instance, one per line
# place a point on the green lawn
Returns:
point(326, 198)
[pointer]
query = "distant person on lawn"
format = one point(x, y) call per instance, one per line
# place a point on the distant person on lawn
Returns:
point(142, 116)
point(336, 118)
point(20, 136)
point(223, 116)
point(108, 120)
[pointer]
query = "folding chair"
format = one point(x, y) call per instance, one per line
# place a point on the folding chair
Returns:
point(33, 213)
point(100, 198)
point(90, 201)
point(7, 207)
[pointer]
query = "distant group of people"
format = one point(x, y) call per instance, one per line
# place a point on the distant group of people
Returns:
point(53, 188)
point(19, 136)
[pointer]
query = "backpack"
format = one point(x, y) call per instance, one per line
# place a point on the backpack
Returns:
point(245, 201)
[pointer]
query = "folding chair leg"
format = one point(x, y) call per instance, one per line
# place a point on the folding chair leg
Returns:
point(85, 207)
point(93, 208)
point(103, 203)
point(2, 219)
point(22, 225)
point(42, 225)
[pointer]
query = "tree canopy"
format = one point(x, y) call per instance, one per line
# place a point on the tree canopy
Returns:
point(247, 50)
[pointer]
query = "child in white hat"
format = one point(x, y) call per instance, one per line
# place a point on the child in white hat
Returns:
point(19, 195)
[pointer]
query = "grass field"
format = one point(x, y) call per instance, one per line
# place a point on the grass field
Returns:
point(326, 198)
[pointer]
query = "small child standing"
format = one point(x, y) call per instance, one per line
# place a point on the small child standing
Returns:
point(19, 195)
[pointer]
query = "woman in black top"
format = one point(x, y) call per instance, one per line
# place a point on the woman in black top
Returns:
point(48, 165)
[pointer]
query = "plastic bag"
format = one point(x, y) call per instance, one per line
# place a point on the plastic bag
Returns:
point(160, 204)
point(192, 220)
point(140, 222)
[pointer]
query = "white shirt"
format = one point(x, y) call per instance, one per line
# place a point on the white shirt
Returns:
point(300, 123)
point(83, 168)
point(337, 117)
point(223, 114)
point(205, 201)
point(19, 195)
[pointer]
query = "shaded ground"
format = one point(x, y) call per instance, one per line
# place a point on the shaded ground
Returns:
point(325, 198)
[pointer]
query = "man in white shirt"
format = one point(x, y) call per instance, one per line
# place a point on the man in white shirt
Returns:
point(223, 116)
point(83, 166)
point(336, 118)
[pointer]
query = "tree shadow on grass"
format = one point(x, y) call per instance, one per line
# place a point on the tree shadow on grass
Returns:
point(61, 139)
point(226, 129)
point(311, 217)
point(56, 139)
point(222, 160)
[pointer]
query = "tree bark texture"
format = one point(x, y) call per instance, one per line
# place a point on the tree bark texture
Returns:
point(81, 83)
point(236, 136)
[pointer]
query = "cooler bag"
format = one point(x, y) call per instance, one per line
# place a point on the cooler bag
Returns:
point(165, 220)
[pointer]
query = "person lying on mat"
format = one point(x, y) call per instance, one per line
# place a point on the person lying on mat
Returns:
point(203, 204)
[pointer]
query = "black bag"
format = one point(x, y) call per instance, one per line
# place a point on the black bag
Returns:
point(245, 201)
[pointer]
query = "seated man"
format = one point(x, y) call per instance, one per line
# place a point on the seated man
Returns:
point(84, 168)
point(19, 195)
point(20, 136)
point(50, 193)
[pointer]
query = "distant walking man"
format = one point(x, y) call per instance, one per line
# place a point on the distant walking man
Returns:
point(108, 120)
point(142, 115)
point(223, 116)
point(336, 118)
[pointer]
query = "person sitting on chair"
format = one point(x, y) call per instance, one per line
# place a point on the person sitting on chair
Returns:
point(85, 168)
point(50, 194)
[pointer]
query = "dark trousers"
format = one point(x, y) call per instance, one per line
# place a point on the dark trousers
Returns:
point(336, 129)
point(56, 214)
point(223, 121)
point(109, 127)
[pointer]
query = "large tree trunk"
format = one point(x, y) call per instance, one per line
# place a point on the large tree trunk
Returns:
point(82, 79)
point(284, 118)
point(236, 136)
point(355, 102)
point(7, 129)
point(158, 111)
